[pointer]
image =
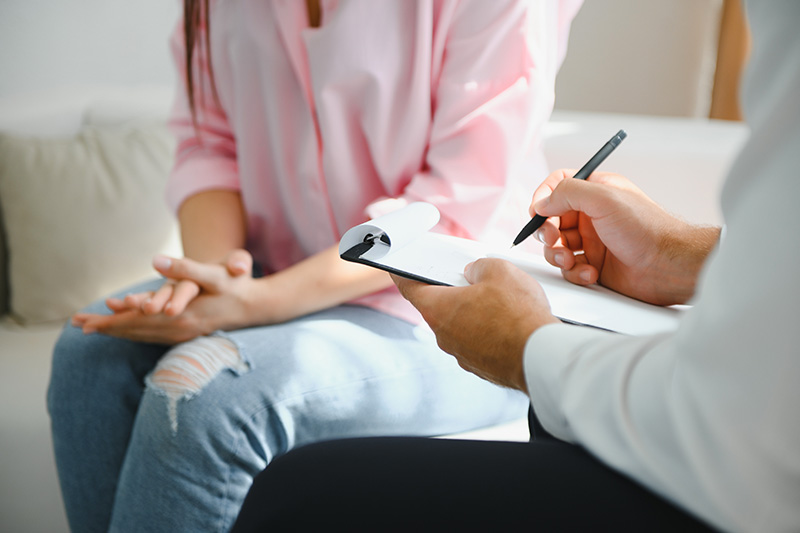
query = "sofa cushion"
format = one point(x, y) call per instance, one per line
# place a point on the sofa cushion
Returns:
point(83, 215)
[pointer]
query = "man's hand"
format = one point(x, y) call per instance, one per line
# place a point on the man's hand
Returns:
point(606, 230)
point(486, 324)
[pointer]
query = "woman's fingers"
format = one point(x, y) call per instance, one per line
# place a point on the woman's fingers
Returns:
point(135, 300)
point(239, 262)
point(156, 303)
point(171, 298)
point(206, 275)
point(79, 319)
point(185, 291)
point(116, 304)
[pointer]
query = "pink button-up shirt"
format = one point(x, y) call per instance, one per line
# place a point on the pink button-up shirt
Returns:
point(387, 102)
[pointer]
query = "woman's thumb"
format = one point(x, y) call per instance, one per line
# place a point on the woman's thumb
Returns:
point(239, 262)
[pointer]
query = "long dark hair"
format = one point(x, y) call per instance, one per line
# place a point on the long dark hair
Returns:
point(196, 33)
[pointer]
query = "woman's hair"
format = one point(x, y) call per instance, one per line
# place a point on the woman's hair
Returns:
point(196, 32)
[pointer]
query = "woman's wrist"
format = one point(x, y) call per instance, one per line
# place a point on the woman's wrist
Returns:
point(318, 282)
point(267, 302)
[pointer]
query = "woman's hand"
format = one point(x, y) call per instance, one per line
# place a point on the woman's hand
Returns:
point(606, 230)
point(175, 294)
point(229, 298)
point(197, 299)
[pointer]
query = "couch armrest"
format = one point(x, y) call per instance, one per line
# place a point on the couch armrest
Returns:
point(3, 269)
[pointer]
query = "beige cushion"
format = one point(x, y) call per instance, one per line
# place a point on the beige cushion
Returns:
point(83, 215)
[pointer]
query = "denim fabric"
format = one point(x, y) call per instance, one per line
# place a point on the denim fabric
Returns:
point(344, 372)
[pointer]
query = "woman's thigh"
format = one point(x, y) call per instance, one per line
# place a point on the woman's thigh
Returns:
point(345, 371)
point(416, 484)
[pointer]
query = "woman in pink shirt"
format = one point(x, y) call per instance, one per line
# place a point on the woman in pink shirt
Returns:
point(301, 120)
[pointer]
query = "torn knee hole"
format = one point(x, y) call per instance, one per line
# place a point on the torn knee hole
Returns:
point(190, 366)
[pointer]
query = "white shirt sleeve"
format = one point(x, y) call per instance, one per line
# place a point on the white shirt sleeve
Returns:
point(707, 416)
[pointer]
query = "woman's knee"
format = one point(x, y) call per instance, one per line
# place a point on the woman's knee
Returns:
point(186, 370)
point(67, 370)
point(76, 355)
point(88, 368)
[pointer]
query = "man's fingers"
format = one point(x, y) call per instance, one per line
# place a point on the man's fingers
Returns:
point(549, 233)
point(428, 299)
point(409, 288)
point(581, 274)
point(545, 189)
point(560, 257)
point(569, 195)
point(486, 269)
point(592, 196)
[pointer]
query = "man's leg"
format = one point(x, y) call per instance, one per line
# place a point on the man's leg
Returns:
point(428, 484)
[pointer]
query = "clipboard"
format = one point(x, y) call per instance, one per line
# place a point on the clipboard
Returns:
point(401, 243)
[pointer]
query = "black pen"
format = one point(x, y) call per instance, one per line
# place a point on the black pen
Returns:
point(590, 166)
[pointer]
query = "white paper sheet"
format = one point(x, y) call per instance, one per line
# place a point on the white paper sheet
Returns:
point(415, 251)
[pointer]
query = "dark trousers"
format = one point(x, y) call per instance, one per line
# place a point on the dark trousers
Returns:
point(413, 484)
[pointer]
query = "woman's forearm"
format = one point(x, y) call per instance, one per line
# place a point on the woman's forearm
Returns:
point(318, 282)
point(212, 224)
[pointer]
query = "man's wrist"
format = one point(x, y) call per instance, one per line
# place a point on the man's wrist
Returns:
point(686, 251)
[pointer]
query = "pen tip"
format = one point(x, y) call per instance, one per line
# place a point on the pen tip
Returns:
point(512, 246)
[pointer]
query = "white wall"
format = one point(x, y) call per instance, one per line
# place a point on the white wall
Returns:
point(47, 43)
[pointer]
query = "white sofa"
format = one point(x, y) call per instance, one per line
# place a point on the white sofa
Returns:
point(49, 238)
point(679, 161)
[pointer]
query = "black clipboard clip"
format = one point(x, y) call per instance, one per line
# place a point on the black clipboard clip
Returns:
point(354, 253)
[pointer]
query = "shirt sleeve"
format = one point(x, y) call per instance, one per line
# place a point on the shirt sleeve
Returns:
point(205, 157)
point(493, 92)
point(706, 416)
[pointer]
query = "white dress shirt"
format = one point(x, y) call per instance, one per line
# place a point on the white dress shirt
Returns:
point(709, 416)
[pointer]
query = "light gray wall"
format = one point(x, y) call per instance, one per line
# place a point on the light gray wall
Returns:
point(630, 56)
point(641, 56)
point(47, 43)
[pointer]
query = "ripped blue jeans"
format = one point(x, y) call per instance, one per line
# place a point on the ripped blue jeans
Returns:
point(155, 438)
